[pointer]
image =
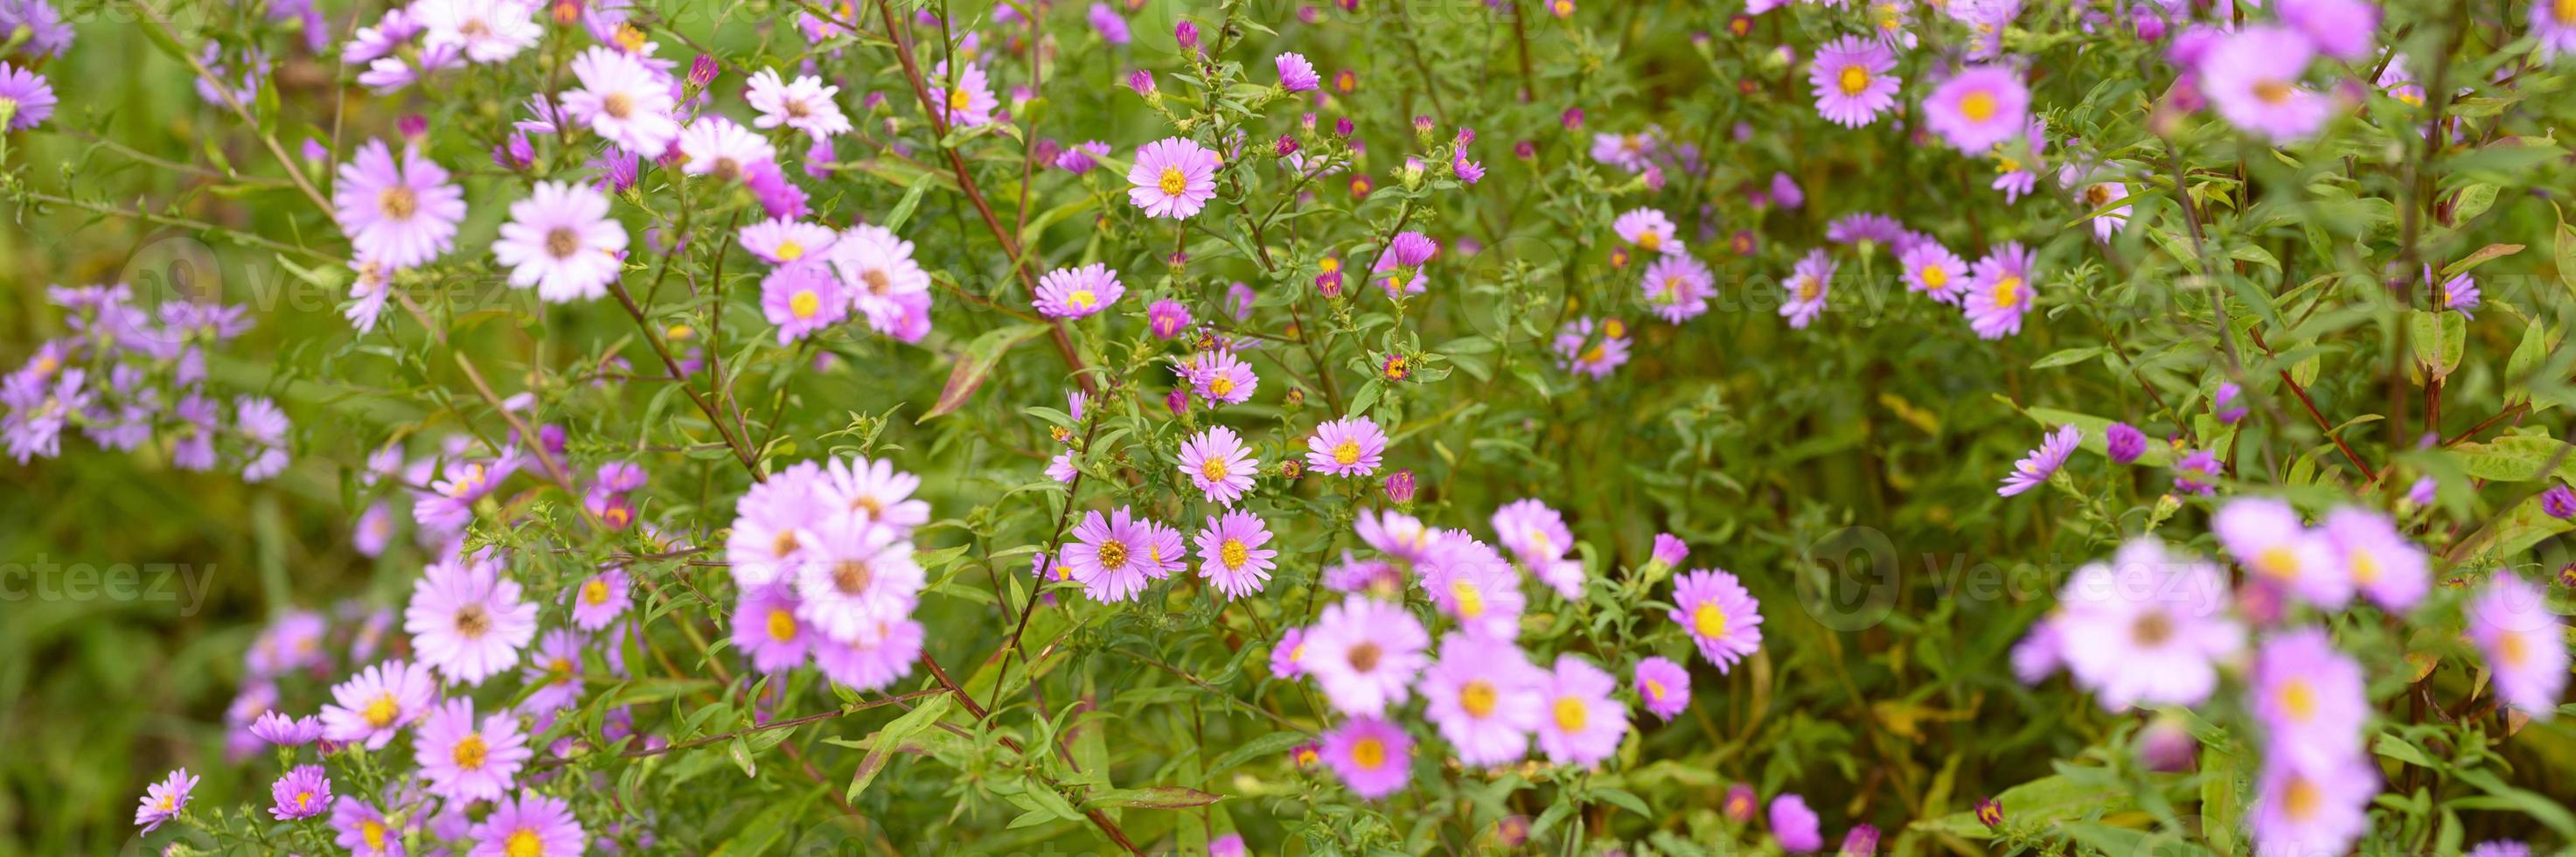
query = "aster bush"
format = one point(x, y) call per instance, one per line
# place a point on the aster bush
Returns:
point(555, 427)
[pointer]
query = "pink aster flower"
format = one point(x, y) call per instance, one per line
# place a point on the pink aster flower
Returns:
point(1216, 461)
point(856, 576)
point(1231, 553)
point(1113, 557)
point(2381, 562)
point(377, 702)
point(873, 491)
point(1174, 177)
point(1345, 447)
point(1663, 686)
point(554, 672)
point(623, 100)
point(880, 660)
point(1295, 73)
point(530, 825)
point(1372, 756)
point(970, 102)
point(720, 147)
point(2000, 292)
point(1632, 151)
point(877, 271)
point(2147, 627)
point(2309, 698)
point(802, 299)
point(2302, 809)
point(1678, 287)
point(396, 214)
point(2252, 78)
point(360, 827)
point(280, 730)
point(1472, 583)
point(1533, 532)
point(485, 31)
point(1078, 292)
point(1933, 270)
point(2342, 29)
point(1647, 228)
point(466, 760)
point(27, 97)
point(2554, 24)
point(1583, 723)
point(1220, 377)
point(1721, 616)
point(561, 240)
point(1978, 107)
point(2097, 197)
point(765, 628)
point(1167, 318)
point(1484, 696)
point(304, 792)
point(2524, 643)
point(1794, 825)
point(600, 599)
point(1365, 653)
point(2033, 470)
point(1809, 286)
point(165, 799)
point(2267, 537)
point(468, 621)
point(804, 104)
point(1577, 351)
point(1061, 468)
point(1852, 81)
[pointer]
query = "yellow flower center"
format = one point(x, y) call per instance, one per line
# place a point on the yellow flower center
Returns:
point(2008, 292)
point(1809, 288)
point(1477, 698)
point(559, 671)
point(959, 100)
point(1113, 554)
point(1173, 182)
point(1709, 621)
point(1654, 690)
point(1934, 276)
point(469, 752)
point(1369, 753)
point(1330, 265)
point(1233, 554)
point(1471, 601)
point(398, 202)
point(1213, 469)
point(1853, 80)
point(2513, 650)
point(2565, 10)
point(1596, 354)
point(2365, 567)
point(2298, 699)
point(2301, 800)
point(851, 577)
point(524, 843)
point(1978, 106)
point(630, 38)
point(2272, 91)
point(1614, 328)
point(1082, 299)
point(1570, 714)
point(1347, 452)
point(1650, 241)
point(381, 711)
point(373, 832)
point(789, 251)
point(595, 592)
point(804, 304)
point(2277, 562)
point(1221, 386)
point(782, 625)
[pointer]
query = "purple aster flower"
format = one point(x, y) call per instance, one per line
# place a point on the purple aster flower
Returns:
point(1399, 486)
point(1113, 557)
point(1664, 686)
point(854, 577)
point(554, 673)
point(303, 792)
point(26, 99)
point(1220, 377)
point(1978, 107)
point(466, 760)
point(2554, 24)
point(1485, 698)
point(2342, 29)
point(1933, 270)
point(2524, 643)
point(601, 598)
point(1372, 756)
point(2223, 403)
point(1794, 825)
point(165, 799)
point(1284, 654)
point(1579, 352)
point(2123, 442)
point(1218, 463)
point(1350, 446)
point(1173, 177)
point(802, 299)
point(1471, 582)
point(2000, 292)
point(1078, 292)
point(1809, 285)
point(2500, 848)
point(1296, 74)
point(2147, 627)
point(1081, 157)
point(2312, 809)
point(363, 829)
point(1231, 553)
point(970, 103)
point(2460, 292)
point(2558, 502)
point(1365, 653)
point(1721, 616)
point(283, 731)
point(2197, 472)
point(1785, 192)
point(1852, 81)
point(1647, 228)
point(263, 428)
point(378, 701)
point(1678, 287)
point(398, 214)
point(561, 240)
point(878, 272)
point(2309, 699)
point(468, 621)
point(1670, 550)
point(622, 100)
point(804, 104)
point(2099, 196)
point(530, 825)
point(2252, 78)
point(765, 628)
point(2268, 539)
point(48, 35)
point(2034, 469)
point(722, 148)
point(1864, 226)
point(1167, 318)
point(1106, 21)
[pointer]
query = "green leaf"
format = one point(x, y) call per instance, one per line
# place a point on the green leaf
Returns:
point(2516, 458)
point(911, 199)
point(881, 746)
point(2069, 356)
point(1266, 745)
point(2484, 255)
point(2439, 339)
point(1152, 797)
point(976, 364)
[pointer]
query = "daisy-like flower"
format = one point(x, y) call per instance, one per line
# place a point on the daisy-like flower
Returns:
point(1349, 446)
point(1577, 351)
point(2252, 78)
point(1216, 461)
point(804, 104)
point(2034, 469)
point(2380, 561)
point(1978, 107)
point(2309, 698)
point(485, 31)
point(622, 100)
point(1365, 653)
point(877, 271)
point(1484, 696)
point(883, 659)
point(2554, 24)
point(1794, 825)
point(856, 576)
point(1809, 286)
point(280, 730)
point(2312, 809)
point(1647, 228)
point(875, 492)
point(1221, 377)
point(2000, 292)
point(2525, 644)
point(2098, 195)
point(1173, 177)
point(1078, 292)
point(2267, 537)
point(26, 99)
point(1061, 468)
point(396, 214)
point(370, 286)
point(1663, 686)
point(1533, 532)
point(554, 672)
point(530, 825)
point(562, 241)
point(1933, 270)
point(2147, 627)
point(1721, 616)
point(165, 799)
point(467, 621)
point(802, 299)
point(1852, 81)
point(600, 599)
point(361, 828)
point(1471, 582)
point(1284, 654)
point(1295, 73)
point(1678, 287)
point(1231, 553)
point(765, 627)
point(720, 147)
point(1583, 723)
point(1632, 151)
point(1372, 756)
point(1401, 537)
point(970, 102)
point(466, 760)
point(377, 702)
point(2196, 472)
point(1112, 557)
point(302, 793)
